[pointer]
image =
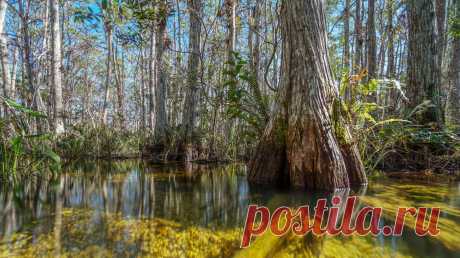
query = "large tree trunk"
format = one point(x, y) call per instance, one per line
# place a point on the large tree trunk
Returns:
point(423, 77)
point(371, 41)
point(56, 63)
point(300, 146)
point(189, 115)
point(453, 103)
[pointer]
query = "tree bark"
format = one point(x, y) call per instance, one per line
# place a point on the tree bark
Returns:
point(13, 73)
point(358, 38)
point(346, 36)
point(119, 69)
point(189, 114)
point(151, 84)
point(4, 53)
point(108, 72)
point(300, 146)
point(161, 119)
point(423, 68)
point(391, 69)
point(441, 29)
point(453, 103)
point(142, 89)
point(56, 71)
point(371, 41)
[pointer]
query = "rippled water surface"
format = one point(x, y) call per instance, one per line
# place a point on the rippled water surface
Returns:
point(131, 209)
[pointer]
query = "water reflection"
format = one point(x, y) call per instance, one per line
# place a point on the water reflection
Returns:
point(130, 208)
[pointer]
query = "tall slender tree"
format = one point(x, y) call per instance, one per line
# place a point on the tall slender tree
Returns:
point(346, 37)
point(4, 52)
point(453, 103)
point(359, 41)
point(371, 41)
point(191, 97)
point(391, 67)
point(56, 71)
point(108, 73)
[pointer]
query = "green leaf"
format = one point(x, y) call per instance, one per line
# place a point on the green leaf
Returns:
point(104, 4)
point(20, 108)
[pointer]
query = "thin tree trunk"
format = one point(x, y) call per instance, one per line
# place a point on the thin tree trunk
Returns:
point(423, 69)
point(179, 36)
point(441, 29)
point(152, 80)
point(230, 41)
point(300, 146)
point(120, 87)
point(371, 41)
point(346, 36)
point(56, 72)
point(142, 90)
point(4, 53)
point(391, 70)
point(108, 75)
point(34, 98)
point(189, 114)
point(453, 103)
point(358, 38)
point(254, 49)
point(14, 72)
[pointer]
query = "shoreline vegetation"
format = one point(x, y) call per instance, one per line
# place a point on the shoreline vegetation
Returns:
point(310, 108)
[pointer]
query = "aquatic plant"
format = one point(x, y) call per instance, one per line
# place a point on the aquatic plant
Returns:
point(22, 152)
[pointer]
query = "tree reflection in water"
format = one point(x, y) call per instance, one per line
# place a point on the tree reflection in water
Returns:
point(133, 207)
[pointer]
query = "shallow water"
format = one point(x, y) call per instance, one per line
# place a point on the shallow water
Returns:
point(128, 209)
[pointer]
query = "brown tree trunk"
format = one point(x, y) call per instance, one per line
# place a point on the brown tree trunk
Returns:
point(254, 50)
point(391, 70)
point(371, 41)
point(161, 119)
point(300, 146)
point(453, 103)
point(441, 28)
point(357, 65)
point(423, 77)
point(346, 36)
point(189, 114)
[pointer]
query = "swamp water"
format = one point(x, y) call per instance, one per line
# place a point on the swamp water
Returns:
point(129, 209)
